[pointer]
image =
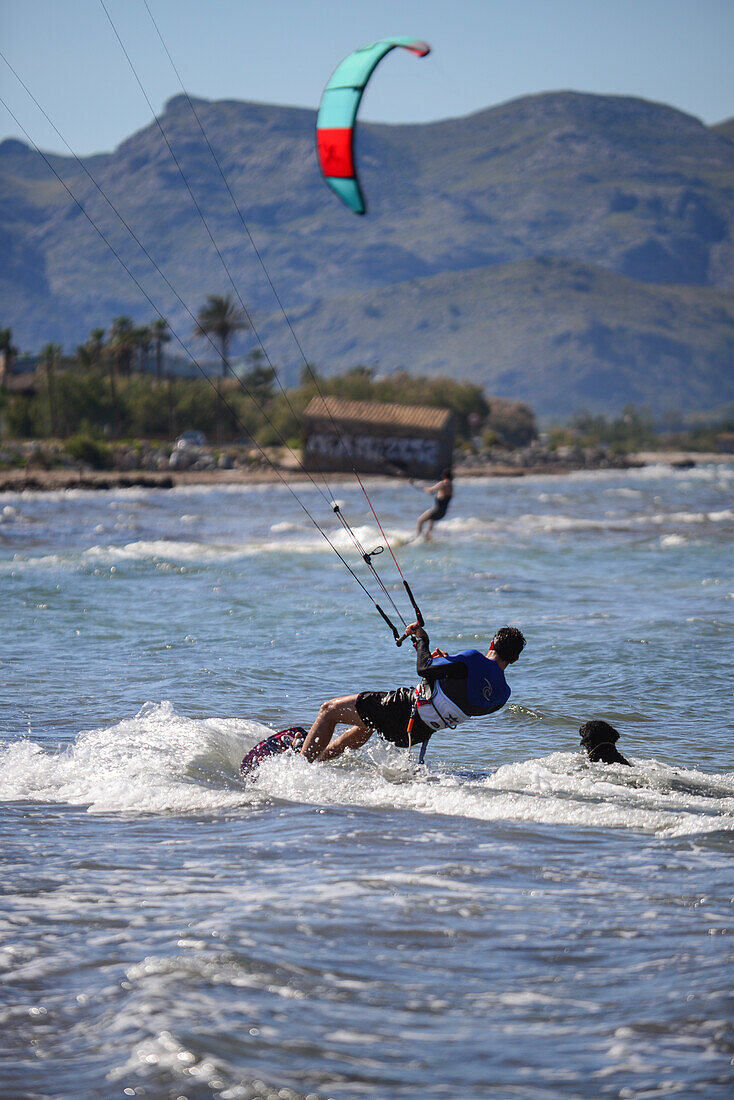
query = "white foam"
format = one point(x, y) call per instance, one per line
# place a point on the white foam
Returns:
point(554, 790)
point(162, 549)
point(161, 762)
point(672, 540)
point(156, 762)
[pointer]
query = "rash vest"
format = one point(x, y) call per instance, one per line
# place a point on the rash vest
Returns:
point(486, 690)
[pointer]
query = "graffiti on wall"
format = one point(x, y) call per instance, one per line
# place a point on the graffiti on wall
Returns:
point(374, 449)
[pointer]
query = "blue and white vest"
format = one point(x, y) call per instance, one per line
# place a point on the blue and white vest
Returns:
point(486, 689)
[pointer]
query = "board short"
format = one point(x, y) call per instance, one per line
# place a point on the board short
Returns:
point(439, 509)
point(291, 738)
point(388, 712)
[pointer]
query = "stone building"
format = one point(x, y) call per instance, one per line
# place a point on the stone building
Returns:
point(377, 437)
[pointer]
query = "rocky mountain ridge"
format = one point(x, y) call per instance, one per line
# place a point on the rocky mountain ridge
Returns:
point(565, 249)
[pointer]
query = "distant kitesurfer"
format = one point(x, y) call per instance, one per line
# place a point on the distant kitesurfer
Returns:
point(599, 739)
point(443, 490)
point(452, 690)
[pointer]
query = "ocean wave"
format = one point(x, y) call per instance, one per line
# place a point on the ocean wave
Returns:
point(156, 762)
point(162, 549)
point(673, 540)
point(130, 493)
point(531, 523)
point(160, 762)
point(557, 790)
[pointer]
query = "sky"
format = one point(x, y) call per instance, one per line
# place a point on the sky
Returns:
point(678, 52)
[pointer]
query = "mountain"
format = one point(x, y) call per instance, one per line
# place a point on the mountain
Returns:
point(567, 249)
point(559, 334)
point(725, 128)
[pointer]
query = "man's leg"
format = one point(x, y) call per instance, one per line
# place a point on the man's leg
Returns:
point(353, 738)
point(332, 714)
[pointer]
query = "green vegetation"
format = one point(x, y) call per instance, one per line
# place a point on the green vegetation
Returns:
point(94, 453)
point(7, 352)
point(636, 430)
point(632, 431)
point(117, 387)
point(107, 390)
point(220, 319)
point(98, 405)
point(509, 424)
point(466, 400)
point(284, 411)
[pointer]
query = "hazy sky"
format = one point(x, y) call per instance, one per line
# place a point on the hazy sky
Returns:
point(679, 52)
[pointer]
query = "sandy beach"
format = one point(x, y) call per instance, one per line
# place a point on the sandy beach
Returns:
point(40, 480)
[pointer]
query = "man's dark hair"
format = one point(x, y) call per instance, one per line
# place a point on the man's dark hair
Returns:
point(445, 474)
point(600, 741)
point(508, 643)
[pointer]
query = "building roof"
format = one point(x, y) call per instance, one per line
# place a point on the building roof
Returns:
point(25, 383)
point(378, 412)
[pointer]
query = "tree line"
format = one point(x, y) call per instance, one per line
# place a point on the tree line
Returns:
point(636, 429)
point(118, 385)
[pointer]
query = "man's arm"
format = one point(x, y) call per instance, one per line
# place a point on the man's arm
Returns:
point(424, 659)
point(444, 485)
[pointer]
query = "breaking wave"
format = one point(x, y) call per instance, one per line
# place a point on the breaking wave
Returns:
point(160, 762)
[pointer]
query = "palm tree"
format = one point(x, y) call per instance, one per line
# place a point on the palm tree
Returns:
point(144, 342)
point(222, 319)
point(122, 343)
point(260, 378)
point(160, 336)
point(7, 354)
point(50, 357)
point(121, 347)
point(90, 354)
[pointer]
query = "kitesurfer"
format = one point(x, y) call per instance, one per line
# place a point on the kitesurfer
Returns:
point(452, 690)
point(443, 490)
point(599, 739)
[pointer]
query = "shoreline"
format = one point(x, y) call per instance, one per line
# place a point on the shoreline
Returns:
point(59, 479)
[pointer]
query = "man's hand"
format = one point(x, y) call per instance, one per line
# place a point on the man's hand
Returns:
point(439, 653)
point(415, 631)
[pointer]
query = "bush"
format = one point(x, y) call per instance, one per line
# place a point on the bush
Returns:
point(490, 438)
point(88, 405)
point(401, 388)
point(84, 448)
point(512, 423)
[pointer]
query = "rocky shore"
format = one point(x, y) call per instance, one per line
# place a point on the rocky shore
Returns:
point(29, 467)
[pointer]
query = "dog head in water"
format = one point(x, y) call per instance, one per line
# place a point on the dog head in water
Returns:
point(599, 739)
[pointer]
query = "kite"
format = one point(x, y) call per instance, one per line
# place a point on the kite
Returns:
point(338, 111)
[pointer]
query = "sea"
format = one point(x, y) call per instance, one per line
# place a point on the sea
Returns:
point(505, 921)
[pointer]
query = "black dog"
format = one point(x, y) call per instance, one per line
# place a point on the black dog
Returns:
point(599, 739)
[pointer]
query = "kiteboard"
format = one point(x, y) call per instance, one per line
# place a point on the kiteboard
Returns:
point(291, 738)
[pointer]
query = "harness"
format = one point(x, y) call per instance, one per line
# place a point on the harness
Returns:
point(435, 709)
point(486, 689)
